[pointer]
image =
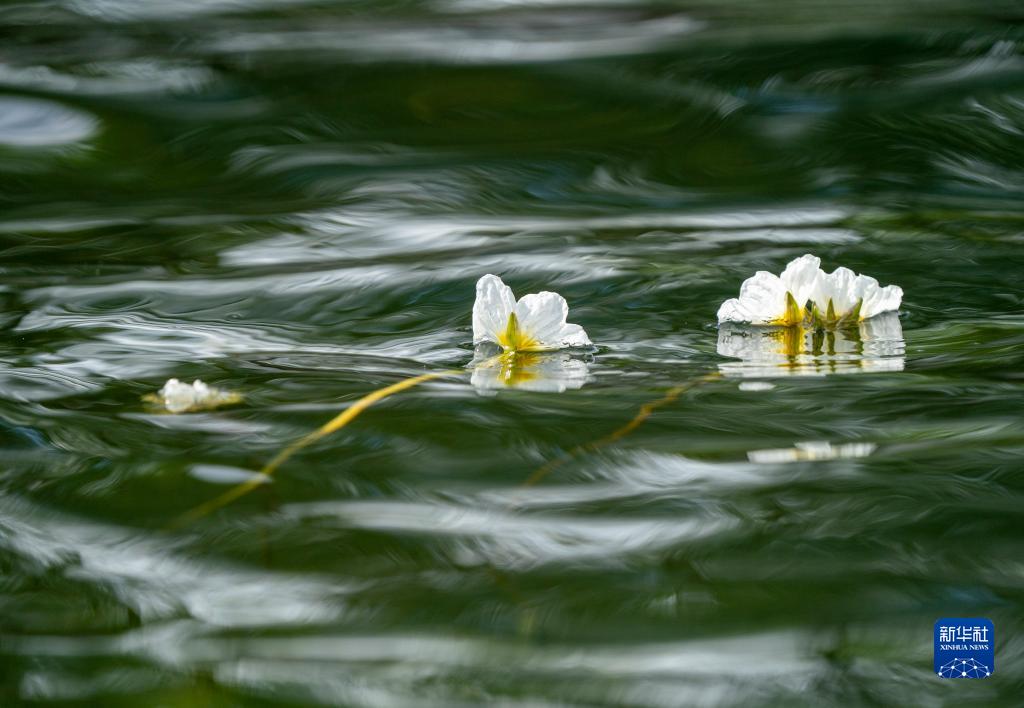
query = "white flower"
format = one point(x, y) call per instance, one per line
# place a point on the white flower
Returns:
point(545, 372)
point(178, 397)
point(804, 294)
point(534, 324)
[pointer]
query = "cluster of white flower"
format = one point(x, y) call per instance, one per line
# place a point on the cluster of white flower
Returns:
point(806, 295)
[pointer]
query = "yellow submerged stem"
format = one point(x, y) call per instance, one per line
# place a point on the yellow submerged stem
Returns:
point(333, 425)
point(643, 414)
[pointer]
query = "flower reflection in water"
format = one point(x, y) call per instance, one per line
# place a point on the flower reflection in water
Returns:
point(871, 346)
point(551, 372)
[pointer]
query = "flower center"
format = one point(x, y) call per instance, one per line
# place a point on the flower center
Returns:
point(812, 317)
point(514, 339)
point(794, 314)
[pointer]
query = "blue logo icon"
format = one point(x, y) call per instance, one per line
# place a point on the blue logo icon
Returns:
point(964, 647)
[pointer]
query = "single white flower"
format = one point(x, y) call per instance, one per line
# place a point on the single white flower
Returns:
point(178, 397)
point(536, 323)
point(552, 372)
point(805, 295)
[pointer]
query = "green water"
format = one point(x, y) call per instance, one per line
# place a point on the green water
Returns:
point(293, 200)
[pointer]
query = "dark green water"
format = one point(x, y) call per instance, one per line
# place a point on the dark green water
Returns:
point(294, 200)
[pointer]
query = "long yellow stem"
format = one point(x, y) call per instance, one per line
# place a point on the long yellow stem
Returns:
point(643, 414)
point(333, 425)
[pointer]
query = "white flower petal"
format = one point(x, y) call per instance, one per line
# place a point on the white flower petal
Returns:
point(845, 288)
point(574, 336)
point(494, 303)
point(732, 311)
point(542, 319)
point(865, 286)
point(762, 300)
point(887, 299)
point(839, 286)
point(801, 277)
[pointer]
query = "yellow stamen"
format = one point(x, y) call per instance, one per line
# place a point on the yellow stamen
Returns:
point(514, 339)
point(854, 314)
point(333, 425)
point(812, 317)
point(793, 315)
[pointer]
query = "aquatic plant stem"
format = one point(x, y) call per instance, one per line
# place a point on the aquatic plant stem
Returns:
point(643, 414)
point(331, 426)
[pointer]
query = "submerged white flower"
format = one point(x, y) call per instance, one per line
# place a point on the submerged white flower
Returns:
point(552, 372)
point(805, 294)
point(535, 323)
point(811, 451)
point(178, 397)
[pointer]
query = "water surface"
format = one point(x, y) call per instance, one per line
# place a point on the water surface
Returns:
point(294, 200)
